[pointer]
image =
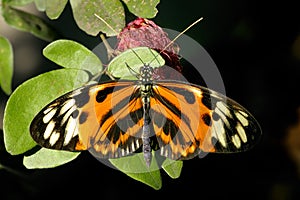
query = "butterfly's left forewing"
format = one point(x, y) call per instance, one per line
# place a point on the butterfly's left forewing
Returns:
point(189, 119)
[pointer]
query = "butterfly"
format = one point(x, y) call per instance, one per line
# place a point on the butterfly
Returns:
point(176, 119)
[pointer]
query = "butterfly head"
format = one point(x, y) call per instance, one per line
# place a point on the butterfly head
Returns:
point(146, 74)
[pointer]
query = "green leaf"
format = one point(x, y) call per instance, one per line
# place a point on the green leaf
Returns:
point(142, 8)
point(134, 164)
point(29, 98)
point(48, 158)
point(40, 5)
point(70, 54)
point(172, 167)
point(152, 179)
point(6, 65)
point(134, 58)
point(55, 7)
point(111, 11)
point(17, 2)
point(27, 22)
point(135, 167)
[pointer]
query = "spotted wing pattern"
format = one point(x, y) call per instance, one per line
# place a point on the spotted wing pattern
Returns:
point(107, 119)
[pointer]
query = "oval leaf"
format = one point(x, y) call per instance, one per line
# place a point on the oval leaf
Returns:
point(134, 164)
point(55, 7)
point(6, 65)
point(142, 8)
point(172, 168)
point(47, 158)
point(111, 13)
point(24, 21)
point(136, 168)
point(127, 64)
point(29, 98)
point(70, 54)
point(152, 179)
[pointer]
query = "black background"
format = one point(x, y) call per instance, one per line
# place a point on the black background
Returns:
point(251, 43)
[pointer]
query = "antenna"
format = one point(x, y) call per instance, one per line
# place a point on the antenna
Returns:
point(137, 55)
point(180, 34)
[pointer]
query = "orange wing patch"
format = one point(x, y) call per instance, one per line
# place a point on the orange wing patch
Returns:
point(114, 123)
point(196, 119)
point(177, 119)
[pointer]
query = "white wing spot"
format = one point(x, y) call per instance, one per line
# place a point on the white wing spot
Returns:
point(137, 143)
point(163, 152)
point(243, 113)
point(132, 146)
point(76, 131)
point(67, 105)
point(47, 110)
point(222, 116)
point(218, 129)
point(116, 154)
point(236, 141)
point(241, 132)
point(49, 116)
point(67, 115)
point(242, 119)
point(223, 108)
point(70, 129)
point(49, 129)
point(54, 138)
point(166, 153)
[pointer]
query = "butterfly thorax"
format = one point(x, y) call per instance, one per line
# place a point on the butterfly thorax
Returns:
point(146, 74)
point(146, 83)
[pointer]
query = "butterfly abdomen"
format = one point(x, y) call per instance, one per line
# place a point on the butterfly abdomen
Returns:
point(145, 97)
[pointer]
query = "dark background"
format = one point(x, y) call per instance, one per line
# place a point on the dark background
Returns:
point(254, 46)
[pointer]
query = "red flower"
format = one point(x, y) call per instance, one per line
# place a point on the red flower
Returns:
point(145, 33)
